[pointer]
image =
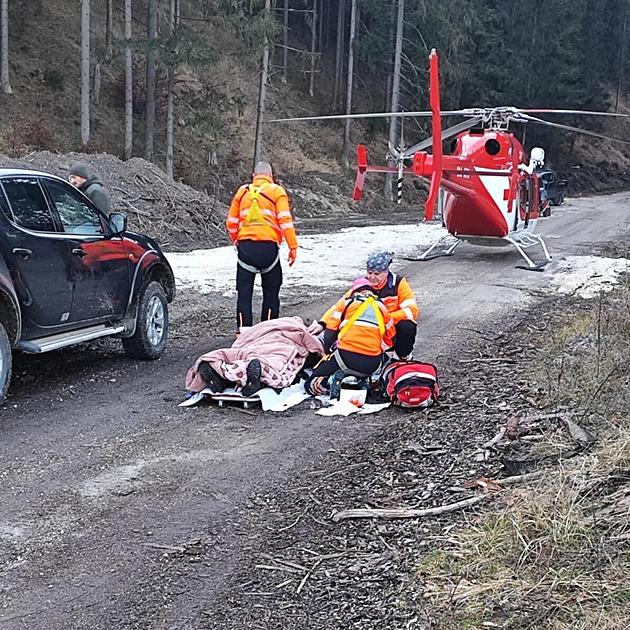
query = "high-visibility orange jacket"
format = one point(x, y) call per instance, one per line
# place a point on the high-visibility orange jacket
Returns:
point(276, 220)
point(397, 296)
point(370, 334)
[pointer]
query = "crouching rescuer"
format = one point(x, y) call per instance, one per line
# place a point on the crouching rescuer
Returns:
point(394, 291)
point(357, 333)
point(258, 220)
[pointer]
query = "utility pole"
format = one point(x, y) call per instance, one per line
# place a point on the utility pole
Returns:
point(395, 103)
point(262, 94)
point(350, 83)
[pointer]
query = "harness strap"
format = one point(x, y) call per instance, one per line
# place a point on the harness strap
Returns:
point(253, 269)
point(379, 316)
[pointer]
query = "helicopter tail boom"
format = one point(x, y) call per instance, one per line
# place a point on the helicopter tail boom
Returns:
point(363, 167)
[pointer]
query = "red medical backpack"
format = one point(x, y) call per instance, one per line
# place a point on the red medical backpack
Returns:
point(410, 383)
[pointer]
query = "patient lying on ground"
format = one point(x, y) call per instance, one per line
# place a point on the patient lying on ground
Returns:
point(271, 353)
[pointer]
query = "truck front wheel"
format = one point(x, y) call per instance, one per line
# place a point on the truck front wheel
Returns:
point(149, 340)
point(5, 362)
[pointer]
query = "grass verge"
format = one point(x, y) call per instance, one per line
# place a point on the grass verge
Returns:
point(556, 554)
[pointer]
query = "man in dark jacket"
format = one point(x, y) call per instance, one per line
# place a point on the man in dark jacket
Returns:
point(90, 185)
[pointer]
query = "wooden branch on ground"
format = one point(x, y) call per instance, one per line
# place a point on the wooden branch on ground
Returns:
point(497, 438)
point(408, 513)
point(579, 434)
point(436, 511)
point(510, 481)
point(489, 360)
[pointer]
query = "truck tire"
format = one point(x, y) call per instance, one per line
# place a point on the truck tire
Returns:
point(149, 340)
point(5, 362)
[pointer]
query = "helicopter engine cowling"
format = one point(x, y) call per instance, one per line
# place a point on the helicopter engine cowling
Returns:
point(482, 176)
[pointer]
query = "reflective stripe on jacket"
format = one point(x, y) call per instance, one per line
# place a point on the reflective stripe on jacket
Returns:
point(400, 300)
point(273, 202)
point(369, 334)
point(397, 296)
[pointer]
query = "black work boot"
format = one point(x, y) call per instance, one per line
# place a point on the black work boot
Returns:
point(253, 378)
point(334, 383)
point(212, 378)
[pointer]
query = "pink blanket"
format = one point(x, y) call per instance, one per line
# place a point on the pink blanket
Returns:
point(281, 345)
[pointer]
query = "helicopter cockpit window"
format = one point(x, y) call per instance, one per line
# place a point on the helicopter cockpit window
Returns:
point(454, 144)
point(492, 147)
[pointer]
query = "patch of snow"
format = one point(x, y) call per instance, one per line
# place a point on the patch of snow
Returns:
point(323, 260)
point(587, 276)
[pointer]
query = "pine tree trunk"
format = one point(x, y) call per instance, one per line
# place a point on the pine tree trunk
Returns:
point(392, 40)
point(149, 116)
point(395, 105)
point(320, 36)
point(173, 23)
point(109, 27)
point(338, 52)
point(350, 83)
point(128, 149)
point(262, 94)
point(85, 72)
point(5, 84)
point(621, 55)
point(285, 41)
point(311, 82)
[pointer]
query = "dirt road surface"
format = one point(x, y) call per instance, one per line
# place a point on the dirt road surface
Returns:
point(121, 510)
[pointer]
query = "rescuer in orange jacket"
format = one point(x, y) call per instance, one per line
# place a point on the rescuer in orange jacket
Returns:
point(259, 218)
point(358, 332)
point(394, 291)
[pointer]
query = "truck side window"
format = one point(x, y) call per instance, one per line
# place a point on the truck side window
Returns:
point(29, 206)
point(4, 205)
point(76, 216)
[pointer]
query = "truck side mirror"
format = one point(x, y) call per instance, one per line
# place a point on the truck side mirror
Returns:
point(117, 223)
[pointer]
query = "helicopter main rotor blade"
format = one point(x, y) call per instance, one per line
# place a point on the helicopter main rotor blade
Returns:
point(447, 133)
point(571, 111)
point(526, 118)
point(459, 112)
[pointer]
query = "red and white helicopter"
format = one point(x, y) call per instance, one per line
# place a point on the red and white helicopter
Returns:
point(492, 191)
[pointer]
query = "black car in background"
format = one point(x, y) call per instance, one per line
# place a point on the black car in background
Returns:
point(553, 189)
point(70, 274)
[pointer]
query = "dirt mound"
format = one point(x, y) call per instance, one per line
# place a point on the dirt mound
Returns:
point(175, 214)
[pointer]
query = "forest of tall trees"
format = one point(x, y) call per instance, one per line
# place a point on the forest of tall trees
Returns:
point(343, 56)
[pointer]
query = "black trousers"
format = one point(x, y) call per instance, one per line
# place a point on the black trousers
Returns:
point(258, 254)
point(405, 337)
point(317, 383)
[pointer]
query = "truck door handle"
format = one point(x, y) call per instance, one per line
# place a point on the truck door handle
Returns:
point(22, 252)
point(81, 253)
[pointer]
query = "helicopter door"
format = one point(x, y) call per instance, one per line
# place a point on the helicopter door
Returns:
point(526, 203)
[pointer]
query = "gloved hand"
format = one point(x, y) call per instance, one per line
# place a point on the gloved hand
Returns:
point(315, 328)
point(292, 256)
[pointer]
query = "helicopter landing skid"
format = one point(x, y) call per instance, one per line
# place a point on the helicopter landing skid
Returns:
point(450, 244)
point(523, 242)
